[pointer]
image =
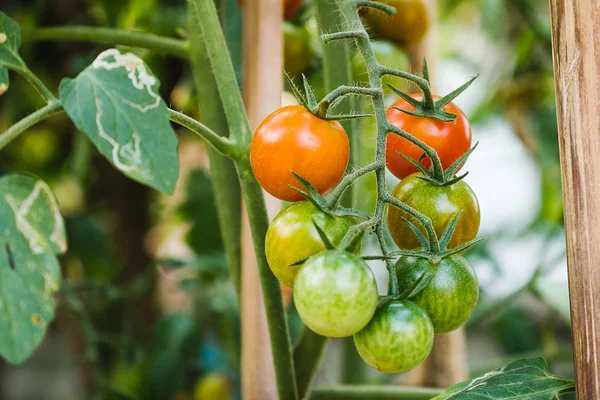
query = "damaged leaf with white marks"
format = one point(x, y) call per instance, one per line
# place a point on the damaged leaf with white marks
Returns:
point(523, 379)
point(32, 234)
point(115, 102)
point(10, 40)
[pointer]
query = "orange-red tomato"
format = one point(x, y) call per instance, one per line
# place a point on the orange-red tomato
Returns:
point(450, 139)
point(292, 139)
point(290, 7)
point(406, 27)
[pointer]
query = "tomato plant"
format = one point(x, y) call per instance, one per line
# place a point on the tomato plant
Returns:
point(292, 139)
point(292, 237)
point(450, 295)
point(407, 27)
point(440, 204)
point(335, 293)
point(398, 338)
point(449, 139)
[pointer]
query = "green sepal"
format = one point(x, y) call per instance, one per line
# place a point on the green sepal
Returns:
point(459, 249)
point(423, 241)
point(355, 242)
point(414, 277)
point(444, 101)
point(326, 241)
point(425, 70)
point(311, 98)
point(299, 262)
point(296, 91)
point(415, 164)
point(451, 170)
point(377, 258)
point(447, 235)
point(312, 195)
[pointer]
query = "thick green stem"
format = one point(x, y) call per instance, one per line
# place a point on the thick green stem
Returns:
point(204, 15)
point(159, 44)
point(220, 143)
point(350, 392)
point(222, 170)
point(15, 130)
point(275, 310)
point(216, 63)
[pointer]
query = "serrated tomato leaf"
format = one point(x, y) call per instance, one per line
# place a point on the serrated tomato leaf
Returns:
point(10, 40)
point(115, 102)
point(31, 235)
point(523, 379)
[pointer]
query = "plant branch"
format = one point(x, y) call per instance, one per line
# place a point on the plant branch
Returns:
point(220, 143)
point(15, 130)
point(349, 179)
point(159, 44)
point(351, 392)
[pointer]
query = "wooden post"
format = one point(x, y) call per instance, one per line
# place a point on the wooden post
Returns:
point(576, 50)
point(263, 63)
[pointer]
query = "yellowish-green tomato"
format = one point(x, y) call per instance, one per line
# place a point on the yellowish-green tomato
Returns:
point(335, 293)
point(292, 237)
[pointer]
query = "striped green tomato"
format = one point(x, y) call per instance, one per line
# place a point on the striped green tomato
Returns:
point(398, 338)
point(335, 293)
point(450, 297)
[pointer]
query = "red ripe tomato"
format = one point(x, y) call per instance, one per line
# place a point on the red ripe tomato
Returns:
point(292, 139)
point(449, 139)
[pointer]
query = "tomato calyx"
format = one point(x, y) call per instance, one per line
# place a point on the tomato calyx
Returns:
point(320, 109)
point(428, 107)
point(435, 255)
point(448, 176)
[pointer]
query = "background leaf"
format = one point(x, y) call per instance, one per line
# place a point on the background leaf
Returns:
point(10, 40)
point(31, 235)
point(115, 102)
point(522, 379)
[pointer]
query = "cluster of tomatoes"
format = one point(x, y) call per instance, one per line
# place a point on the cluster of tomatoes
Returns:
point(335, 291)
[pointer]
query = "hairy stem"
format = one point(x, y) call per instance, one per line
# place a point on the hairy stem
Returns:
point(159, 44)
point(15, 130)
point(220, 143)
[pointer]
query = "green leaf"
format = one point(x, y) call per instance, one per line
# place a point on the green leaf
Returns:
point(10, 40)
point(523, 379)
point(4, 80)
point(115, 102)
point(447, 236)
point(31, 235)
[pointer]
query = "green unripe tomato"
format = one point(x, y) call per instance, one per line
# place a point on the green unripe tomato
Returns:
point(398, 338)
point(298, 53)
point(441, 204)
point(450, 297)
point(335, 293)
point(388, 54)
point(292, 237)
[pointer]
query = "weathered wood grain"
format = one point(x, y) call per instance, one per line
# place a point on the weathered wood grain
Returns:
point(263, 61)
point(576, 51)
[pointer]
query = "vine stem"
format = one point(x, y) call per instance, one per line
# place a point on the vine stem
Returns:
point(160, 44)
point(15, 130)
point(355, 30)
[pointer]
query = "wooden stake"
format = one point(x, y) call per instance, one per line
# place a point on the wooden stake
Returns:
point(576, 51)
point(263, 63)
